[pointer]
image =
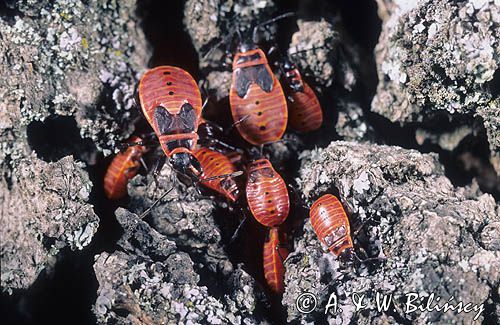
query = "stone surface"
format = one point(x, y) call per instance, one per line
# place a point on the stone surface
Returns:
point(71, 68)
point(431, 233)
point(438, 58)
point(45, 208)
point(152, 280)
point(73, 59)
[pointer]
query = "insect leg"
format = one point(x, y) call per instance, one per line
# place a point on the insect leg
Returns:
point(148, 210)
point(237, 231)
point(278, 250)
point(370, 259)
point(143, 164)
point(241, 120)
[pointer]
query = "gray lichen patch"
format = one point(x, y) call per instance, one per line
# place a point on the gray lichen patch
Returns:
point(314, 48)
point(428, 230)
point(44, 210)
point(152, 281)
point(59, 58)
point(185, 217)
point(67, 57)
point(437, 57)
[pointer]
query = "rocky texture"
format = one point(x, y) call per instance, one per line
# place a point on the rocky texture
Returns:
point(352, 124)
point(65, 61)
point(314, 48)
point(80, 61)
point(151, 280)
point(439, 58)
point(431, 233)
point(209, 22)
point(338, 69)
point(202, 230)
point(44, 209)
point(185, 216)
point(73, 59)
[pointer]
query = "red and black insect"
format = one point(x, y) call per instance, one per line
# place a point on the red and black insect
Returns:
point(123, 167)
point(267, 194)
point(304, 109)
point(275, 253)
point(171, 102)
point(213, 164)
point(257, 101)
point(331, 225)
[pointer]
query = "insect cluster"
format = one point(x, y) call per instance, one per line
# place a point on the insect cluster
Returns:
point(262, 105)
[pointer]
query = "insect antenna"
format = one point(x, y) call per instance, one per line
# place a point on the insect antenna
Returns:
point(237, 231)
point(314, 48)
point(240, 38)
point(148, 210)
point(270, 21)
point(241, 120)
point(235, 174)
point(224, 40)
point(123, 146)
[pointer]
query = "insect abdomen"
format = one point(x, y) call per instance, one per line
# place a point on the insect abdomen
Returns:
point(274, 254)
point(305, 112)
point(267, 194)
point(330, 223)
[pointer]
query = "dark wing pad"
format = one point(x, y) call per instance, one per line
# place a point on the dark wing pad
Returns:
point(184, 122)
point(164, 120)
point(187, 118)
point(263, 78)
point(258, 74)
point(242, 82)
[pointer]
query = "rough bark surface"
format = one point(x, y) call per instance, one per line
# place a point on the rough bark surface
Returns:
point(69, 72)
point(44, 209)
point(151, 280)
point(435, 237)
point(439, 58)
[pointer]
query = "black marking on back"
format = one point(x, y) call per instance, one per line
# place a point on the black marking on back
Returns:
point(164, 120)
point(255, 74)
point(187, 117)
point(248, 58)
point(184, 143)
point(184, 122)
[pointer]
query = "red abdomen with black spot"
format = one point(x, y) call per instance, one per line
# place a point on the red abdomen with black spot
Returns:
point(267, 194)
point(331, 225)
point(258, 104)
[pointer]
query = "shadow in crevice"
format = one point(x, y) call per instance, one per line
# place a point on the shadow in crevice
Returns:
point(494, 84)
point(163, 26)
point(467, 161)
point(57, 137)
point(61, 294)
